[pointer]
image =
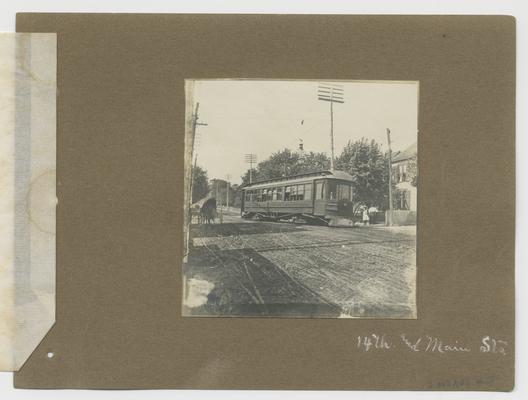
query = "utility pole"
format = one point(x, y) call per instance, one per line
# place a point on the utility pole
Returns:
point(219, 203)
point(389, 220)
point(332, 93)
point(194, 153)
point(251, 159)
point(195, 123)
point(228, 177)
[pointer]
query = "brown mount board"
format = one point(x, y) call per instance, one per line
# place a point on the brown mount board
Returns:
point(120, 187)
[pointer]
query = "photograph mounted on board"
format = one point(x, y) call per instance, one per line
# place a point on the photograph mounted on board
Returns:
point(300, 198)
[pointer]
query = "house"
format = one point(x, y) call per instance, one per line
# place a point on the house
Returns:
point(404, 176)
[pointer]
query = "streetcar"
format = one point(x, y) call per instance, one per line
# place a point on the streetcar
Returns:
point(324, 197)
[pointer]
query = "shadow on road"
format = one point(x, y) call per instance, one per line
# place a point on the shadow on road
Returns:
point(244, 283)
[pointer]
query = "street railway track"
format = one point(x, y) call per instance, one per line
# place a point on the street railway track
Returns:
point(251, 286)
point(310, 265)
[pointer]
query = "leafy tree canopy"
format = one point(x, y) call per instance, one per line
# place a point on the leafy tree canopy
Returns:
point(412, 171)
point(369, 167)
point(200, 186)
point(287, 163)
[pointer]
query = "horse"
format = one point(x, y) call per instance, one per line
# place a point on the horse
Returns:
point(208, 211)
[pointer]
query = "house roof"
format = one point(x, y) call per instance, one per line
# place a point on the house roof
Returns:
point(409, 152)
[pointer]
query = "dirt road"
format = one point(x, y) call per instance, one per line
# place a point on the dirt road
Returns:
point(254, 268)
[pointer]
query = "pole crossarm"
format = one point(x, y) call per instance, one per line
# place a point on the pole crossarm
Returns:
point(334, 100)
point(250, 159)
point(332, 93)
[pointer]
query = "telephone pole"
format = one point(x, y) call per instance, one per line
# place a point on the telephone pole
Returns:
point(194, 154)
point(251, 159)
point(195, 123)
point(389, 219)
point(194, 150)
point(332, 93)
point(228, 177)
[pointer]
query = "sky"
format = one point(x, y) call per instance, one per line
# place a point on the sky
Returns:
point(266, 116)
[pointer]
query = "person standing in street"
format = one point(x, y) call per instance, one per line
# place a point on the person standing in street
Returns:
point(366, 217)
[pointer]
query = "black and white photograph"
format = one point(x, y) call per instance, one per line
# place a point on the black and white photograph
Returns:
point(300, 198)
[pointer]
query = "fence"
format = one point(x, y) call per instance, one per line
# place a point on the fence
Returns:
point(400, 217)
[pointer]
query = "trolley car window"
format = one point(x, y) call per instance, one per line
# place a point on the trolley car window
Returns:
point(288, 193)
point(332, 185)
point(308, 191)
point(319, 191)
point(300, 192)
point(343, 192)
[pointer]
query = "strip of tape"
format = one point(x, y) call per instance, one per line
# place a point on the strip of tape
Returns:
point(28, 66)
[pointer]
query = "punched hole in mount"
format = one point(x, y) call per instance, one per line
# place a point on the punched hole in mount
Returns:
point(50, 355)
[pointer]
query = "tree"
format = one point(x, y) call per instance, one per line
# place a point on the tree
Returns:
point(254, 176)
point(281, 163)
point(200, 186)
point(412, 171)
point(287, 163)
point(315, 162)
point(369, 168)
point(237, 195)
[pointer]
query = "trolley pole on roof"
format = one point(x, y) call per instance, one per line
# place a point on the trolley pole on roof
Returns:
point(332, 93)
point(389, 219)
point(251, 159)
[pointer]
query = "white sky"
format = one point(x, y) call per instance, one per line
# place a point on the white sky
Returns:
point(262, 117)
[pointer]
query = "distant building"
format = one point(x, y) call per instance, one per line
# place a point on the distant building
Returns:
point(404, 175)
point(218, 190)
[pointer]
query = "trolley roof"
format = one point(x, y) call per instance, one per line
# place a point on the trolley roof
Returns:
point(286, 180)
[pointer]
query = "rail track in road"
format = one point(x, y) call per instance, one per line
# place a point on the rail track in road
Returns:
point(319, 245)
point(265, 268)
point(267, 286)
